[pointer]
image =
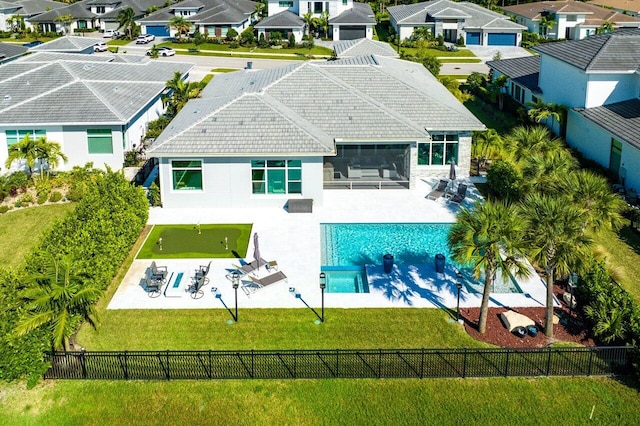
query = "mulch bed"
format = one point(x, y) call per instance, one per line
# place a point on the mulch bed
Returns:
point(572, 330)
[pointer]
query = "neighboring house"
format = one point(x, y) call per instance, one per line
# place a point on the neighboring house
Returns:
point(573, 20)
point(260, 138)
point(67, 44)
point(10, 52)
point(212, 17)
point(627, 7)
point(523, 77)
point(95, 109)
point(598, 79)
point(475, 24)
point(348, 20)
point(108, 10)
point(27, 9)
point(81, 19)
point(363, 47)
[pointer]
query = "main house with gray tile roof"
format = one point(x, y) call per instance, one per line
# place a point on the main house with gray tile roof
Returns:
point(475, 24)
point(94, 107)
point(598, 78)
point(348, 19)
point(572, 20)
point(260, 138)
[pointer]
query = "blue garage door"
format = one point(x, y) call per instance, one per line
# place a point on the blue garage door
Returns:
point(473, 38)
point(158, 30)
point(498, 39)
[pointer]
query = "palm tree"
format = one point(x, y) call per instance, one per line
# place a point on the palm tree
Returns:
point(66, 21)
point(181, 25)
point(260, 9)
point(523, 142)
point(555, 239)
point(541, 111)
point(57, 300)
point(497, 89)
point(489, 238)
point(26, 149)
point(546, 23)
point(606, 27)
point(49, 154)
point(592, 193)
point(486, 145)
point(543, 174)
point(323, 21)
point(127, 19)
point(308, 22)
point(179, 93)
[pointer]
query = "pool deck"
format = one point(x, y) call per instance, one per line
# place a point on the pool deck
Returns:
point(293, 241)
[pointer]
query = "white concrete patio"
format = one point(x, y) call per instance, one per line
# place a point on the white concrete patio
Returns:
point(293, 240)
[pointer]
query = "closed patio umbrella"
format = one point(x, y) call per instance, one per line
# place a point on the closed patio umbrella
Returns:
point(452, 171)
point(256, 250)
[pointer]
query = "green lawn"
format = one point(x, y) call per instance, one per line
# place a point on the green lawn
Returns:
point(462, 52)
point(22, 229)
point(118, 42)
point(490, 116)
point(460, 61)
point(224, 70)
point(568, 401)
point(316, 50)
point(196, 241)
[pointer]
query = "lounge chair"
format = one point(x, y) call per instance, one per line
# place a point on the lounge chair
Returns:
point(259, 283)
point(459, 196)
point(438, 191)
point(203, 271)
point(196, 288)
point(158, 273)
point(153, 286)
point(247, 268)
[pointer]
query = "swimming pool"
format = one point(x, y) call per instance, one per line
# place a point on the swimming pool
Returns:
point(349, 245)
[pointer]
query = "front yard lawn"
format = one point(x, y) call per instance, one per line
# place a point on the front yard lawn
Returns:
point(316, 50)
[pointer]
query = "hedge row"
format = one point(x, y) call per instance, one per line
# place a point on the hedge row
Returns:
point(97, 235)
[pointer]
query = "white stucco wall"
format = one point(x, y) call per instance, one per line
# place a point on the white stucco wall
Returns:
point(605, 89)
point(562, 83)
point(136, 130)
point(274, 8)
point(227, 183)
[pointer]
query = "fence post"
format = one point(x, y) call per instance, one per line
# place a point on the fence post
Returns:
point(82, 363)
point(126, 367)
point(253, 372)
point(506, 364)
point(464, 364)
point(422, 363)
point(379, 363)
point(295, 363)
point(549, 361)
point(168, 373)
point(591, 351)
point(210, 368)
point(337, 362)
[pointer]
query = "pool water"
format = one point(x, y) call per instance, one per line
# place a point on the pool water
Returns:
point(346, 246)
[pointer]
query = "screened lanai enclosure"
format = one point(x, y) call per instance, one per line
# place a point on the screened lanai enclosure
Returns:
point(362, 166)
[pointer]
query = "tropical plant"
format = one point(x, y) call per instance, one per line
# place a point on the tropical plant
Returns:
point(308, 22)
point(504, 181)
point(323, 22)
point(154, 52)
point(66, 21)
point(453, 86)
point(524, 141)
point(58, 299)
point(486, 145)
point(496, 88)
point(49, 154)
point(16, 23)
point(179, 93)
point(606, 27)
point(26, 150)
point(181, 25)
point(608, 318)
point(261, 9)
point(541, 111)
point(488, 236)
point(542, 174)
point(547, 22)
point(555, 240)
point(430, 62)
point(126, 20)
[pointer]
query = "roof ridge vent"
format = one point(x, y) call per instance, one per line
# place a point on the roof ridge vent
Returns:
point(7, 97)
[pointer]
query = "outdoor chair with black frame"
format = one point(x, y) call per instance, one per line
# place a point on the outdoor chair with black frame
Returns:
point(203, 271)
point(439, 190)
point(152, 285)
point(158, 272)
point(196, 288)
point(460, 195)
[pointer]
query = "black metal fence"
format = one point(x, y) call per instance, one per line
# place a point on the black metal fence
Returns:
point(339, 363)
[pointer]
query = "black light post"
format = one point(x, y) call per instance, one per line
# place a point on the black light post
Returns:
point(235, 279)
point(573, 280)
point(323, 285)
point(459, 287)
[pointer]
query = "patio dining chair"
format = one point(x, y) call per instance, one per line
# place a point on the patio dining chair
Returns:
point(196, 288)
point(203, 271)
point(158, 273)
point(152, 285)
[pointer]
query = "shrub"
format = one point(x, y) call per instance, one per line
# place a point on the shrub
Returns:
point(55, 197)
point(154, 195)
point(25, 199)
point(234, 45)
point(4, 209)
point(42, 199)
point(232, 34)
point(460, 41)
point(131, 158)
point(262, 42)
point(292, 41)
point(247, 37)
point(504, 181)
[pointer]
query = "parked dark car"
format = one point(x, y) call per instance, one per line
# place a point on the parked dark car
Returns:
point(33, 43)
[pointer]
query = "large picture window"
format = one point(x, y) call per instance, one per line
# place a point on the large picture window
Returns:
point(276, 176)
point(99, 141)
point(15, 136)
point(187, 175)
point(443, 149)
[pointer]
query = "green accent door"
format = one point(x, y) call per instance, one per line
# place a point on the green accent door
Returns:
point(616, 155)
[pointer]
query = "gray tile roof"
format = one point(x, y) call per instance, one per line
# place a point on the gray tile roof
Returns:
point(596, 15)
point(363, 47)
point(284, 19)
point(77, 10)
point(621, 119)
point(9, 50)
point(212, 12)
point(35, 7)
point(476, 17)
point(66, 92)
point(361, 13)
point(618, 51)
point(139, 8)
point(55, 56)
point(302, 108)
point(66, 44)
point(524, 71)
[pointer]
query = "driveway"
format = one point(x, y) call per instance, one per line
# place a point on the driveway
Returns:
point(486, 53)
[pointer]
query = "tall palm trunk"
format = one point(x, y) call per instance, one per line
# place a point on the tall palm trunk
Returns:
point(484, 305)
point(548, 318)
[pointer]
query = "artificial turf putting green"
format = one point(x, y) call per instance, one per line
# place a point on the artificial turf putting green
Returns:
point(196, 241)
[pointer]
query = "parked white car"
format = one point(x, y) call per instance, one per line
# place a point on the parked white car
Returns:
point(100, 47)
point(162, 51)
point(111, 34)
point(145, 38)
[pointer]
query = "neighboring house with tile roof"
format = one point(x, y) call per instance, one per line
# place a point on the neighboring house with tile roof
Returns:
point(598, 79)
point(27, 9)
point(259, 138)
point(67, 44)
point(627, 7)
point(348, 19)
point(96, 106)
point(10, 52)
point(573, 20)
point(475, 24)
point(212, 17)
point(523, 77)
point(363, 47)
